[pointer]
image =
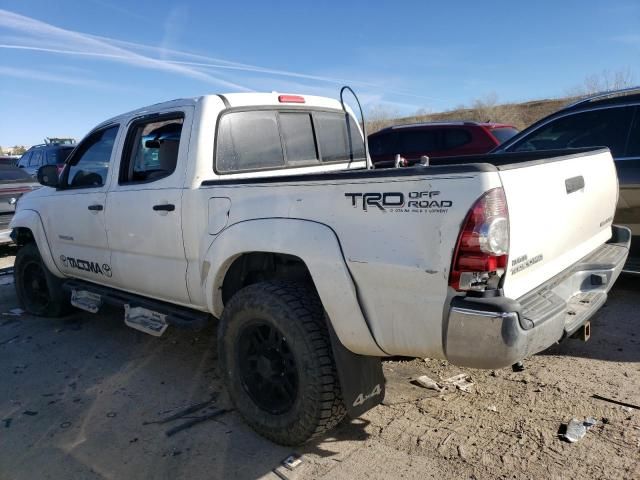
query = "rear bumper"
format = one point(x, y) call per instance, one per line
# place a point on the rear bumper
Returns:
point(496, 332)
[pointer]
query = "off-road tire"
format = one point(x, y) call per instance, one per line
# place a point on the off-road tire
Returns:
point(53, 300)
point(294, 310)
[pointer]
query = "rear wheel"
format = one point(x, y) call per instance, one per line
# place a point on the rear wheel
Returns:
point(275, 356)
point(39, 291)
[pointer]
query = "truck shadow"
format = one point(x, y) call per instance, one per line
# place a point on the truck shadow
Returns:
point(615, 329)
point(79, 393)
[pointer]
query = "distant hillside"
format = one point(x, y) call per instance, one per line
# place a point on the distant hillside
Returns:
point(519, 115)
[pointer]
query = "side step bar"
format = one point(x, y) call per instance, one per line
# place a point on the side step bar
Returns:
point(145, 314)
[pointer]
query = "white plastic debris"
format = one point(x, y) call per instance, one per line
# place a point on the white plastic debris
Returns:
point(576, 429)
point(492, 408)
point(461, 381)
point(292, 461)
point(427, 382)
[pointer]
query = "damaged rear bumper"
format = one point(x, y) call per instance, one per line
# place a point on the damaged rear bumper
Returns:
point(496, 332)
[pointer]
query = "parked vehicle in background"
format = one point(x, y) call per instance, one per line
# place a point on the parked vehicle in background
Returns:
point(14, 183)
point(610, 119)
point(258, 209)
point(435, 139)
point(45, 154)
point(10, 160)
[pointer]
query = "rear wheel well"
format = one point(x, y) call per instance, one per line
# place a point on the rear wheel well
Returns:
point(254, 267)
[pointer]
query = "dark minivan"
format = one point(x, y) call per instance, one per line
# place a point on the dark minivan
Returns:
point(610, 119)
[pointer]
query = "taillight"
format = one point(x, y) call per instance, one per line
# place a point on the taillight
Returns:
point(480, 258)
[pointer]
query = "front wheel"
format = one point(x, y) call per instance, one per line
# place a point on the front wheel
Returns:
point(39, 291)
point(276, 359)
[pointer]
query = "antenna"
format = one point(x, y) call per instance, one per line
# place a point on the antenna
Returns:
point(364, 126)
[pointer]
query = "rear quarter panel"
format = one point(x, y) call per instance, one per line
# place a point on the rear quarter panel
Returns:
point(399, 256)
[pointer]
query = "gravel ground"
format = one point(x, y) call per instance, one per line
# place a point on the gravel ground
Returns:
point(75, 394)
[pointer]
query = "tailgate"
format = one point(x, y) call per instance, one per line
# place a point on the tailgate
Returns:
point(560, 210)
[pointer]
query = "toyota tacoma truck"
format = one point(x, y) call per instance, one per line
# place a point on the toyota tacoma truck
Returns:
point(262, 211)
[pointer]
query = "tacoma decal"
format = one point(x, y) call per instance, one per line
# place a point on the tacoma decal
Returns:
point(523, 261)
point(86, 266)
point(412, 202)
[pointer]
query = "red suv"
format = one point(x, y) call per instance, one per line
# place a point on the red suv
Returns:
point(435, 139)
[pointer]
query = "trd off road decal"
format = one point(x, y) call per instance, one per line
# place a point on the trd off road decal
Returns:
point(86, 266)
point(398, 202)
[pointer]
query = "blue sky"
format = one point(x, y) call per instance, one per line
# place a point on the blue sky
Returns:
point(67, 65)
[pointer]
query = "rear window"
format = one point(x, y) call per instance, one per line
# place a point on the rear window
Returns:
point(268, 139)
point(297, 134)
point(504, 133)
point(249, 141)
point(58, 155)
point(339, 141)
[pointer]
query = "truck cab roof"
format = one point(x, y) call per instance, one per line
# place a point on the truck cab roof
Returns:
point(233, 100)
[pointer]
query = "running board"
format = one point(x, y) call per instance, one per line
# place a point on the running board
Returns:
point(142, 313)
point(145, 320)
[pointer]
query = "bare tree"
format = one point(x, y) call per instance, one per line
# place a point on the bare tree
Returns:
point(605, 81)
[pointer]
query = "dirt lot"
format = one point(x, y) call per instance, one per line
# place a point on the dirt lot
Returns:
point(75, 394)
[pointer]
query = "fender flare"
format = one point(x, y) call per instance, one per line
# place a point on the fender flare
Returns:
point(30, 219)
point(318, 247)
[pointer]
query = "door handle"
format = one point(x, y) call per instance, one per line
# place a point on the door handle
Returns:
point(95, 207)
point(574, 184)
point(165, 207)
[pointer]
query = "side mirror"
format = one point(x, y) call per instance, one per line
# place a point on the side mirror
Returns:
point(48, 175)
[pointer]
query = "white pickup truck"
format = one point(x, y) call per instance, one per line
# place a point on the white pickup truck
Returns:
point(259, 210)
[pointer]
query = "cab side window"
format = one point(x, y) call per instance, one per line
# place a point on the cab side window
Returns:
point(151, 149)
point(418, 141)
point(456, 138)
point(89, 165)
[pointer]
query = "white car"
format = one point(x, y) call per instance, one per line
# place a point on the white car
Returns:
point(259, 210)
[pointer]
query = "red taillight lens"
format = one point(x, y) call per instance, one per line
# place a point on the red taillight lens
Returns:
point(290, 99)
point(480, 258)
